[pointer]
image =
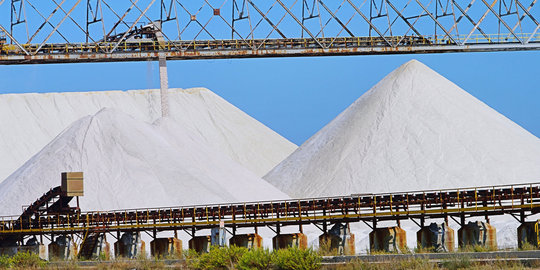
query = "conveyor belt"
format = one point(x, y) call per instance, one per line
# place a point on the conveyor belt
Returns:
point(252, 48)
point(519, 200)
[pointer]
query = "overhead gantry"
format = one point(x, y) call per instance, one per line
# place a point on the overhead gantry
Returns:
point(75, 31)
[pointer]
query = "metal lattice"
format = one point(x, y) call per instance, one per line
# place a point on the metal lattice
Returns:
point(43, 31)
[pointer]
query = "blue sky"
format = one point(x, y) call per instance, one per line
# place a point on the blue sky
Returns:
point(298, 96)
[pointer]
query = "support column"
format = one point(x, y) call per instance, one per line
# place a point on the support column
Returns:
point(390, 239)
point(95, 245)
point(249, 241)
point(436, 238)
point(338, 241)
point(163, 247)
point(478, 233)
point(528, 235)
point(202, 244)
point(324, 224)
point(62, 248)
point(293, 240)
point(129, 245)
point(32, 246)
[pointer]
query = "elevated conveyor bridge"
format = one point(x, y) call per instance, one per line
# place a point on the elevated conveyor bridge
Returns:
point(520, 201)
point(74, 31)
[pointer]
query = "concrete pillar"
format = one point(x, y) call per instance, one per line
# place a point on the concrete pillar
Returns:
point(478, 233)
point(338, 240)
point(390, 239)
point(294, 240)
point(527, 234)
point(249, 241)
point(32, 246)
point(200, 244)
point(129, 246)
point(95, 246)
point(436, 237)
point(163, 247)
point(63, 248)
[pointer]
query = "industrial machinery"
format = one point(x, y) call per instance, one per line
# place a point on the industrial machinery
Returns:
point(54, 202)
point(87, 31)
point(51, 215)
point(139, 33)
point(2, 40)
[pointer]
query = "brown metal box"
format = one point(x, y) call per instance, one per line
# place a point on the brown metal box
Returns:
point(72, 184)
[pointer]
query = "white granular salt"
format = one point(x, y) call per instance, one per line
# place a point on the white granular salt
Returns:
point(414, 130)
point(30, 121)
point(129, 163)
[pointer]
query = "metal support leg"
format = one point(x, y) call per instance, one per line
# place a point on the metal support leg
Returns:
point(522, 211)
point(324, 224)
point(422, 217)
point(278, 227)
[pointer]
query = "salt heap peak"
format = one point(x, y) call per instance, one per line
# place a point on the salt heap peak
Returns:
point(35, 119)
point(129, 163)
point(414, 130)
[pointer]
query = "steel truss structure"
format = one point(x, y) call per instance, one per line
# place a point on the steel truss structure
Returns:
point(45, 220)
point(56, 31)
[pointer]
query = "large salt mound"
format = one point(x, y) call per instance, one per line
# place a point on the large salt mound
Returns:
point(31, 121)
point(414, 130)
point(129, 164)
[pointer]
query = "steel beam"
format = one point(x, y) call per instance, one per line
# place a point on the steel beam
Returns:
point(261, 53)
point(403, 23)
point(428, 204)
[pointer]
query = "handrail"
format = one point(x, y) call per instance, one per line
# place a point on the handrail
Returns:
point(331, 42)
point(462, 191)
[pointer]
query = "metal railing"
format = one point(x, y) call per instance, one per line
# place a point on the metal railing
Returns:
point(479, 201)
point(265, 44)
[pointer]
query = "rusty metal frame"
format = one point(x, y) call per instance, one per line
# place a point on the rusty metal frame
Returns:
point(522, 199)
point(392, 26)
point(57, 25)
point(133, 24)
point(94, 14)
point(18, 15)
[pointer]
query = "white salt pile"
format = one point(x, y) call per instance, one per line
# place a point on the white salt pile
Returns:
point(130, 164)
point(414, 130)
point(30, 121)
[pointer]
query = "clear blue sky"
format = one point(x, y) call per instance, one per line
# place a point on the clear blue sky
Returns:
point(298, 96)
